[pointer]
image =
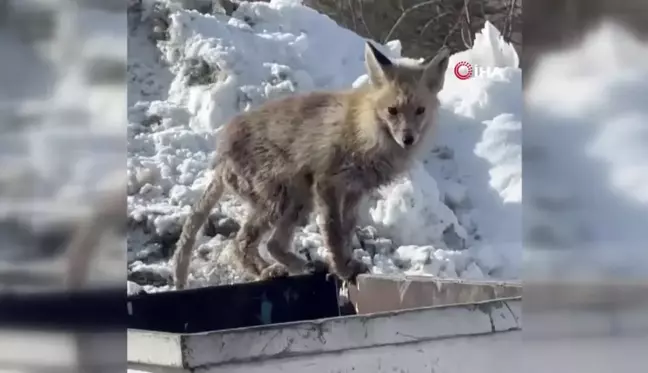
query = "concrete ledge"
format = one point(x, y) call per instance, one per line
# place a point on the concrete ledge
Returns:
point(380, 293)
point(155, 348)
point(204, 350)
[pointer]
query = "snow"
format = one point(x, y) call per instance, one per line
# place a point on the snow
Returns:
point(455, 214)
point(586, 137)
point(61, 135)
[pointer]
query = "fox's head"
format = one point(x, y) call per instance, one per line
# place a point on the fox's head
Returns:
point(405, 97)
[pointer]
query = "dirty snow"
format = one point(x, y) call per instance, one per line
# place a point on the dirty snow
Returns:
point(455, 214)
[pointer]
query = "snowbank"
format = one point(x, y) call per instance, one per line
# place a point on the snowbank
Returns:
point(587, 132)
point(456, 213)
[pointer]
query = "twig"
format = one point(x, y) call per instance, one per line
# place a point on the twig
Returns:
point(428, 23)
point(467, 43)
point(402, 17)
point(362, 18)
point(452, 31)
point(469, 24)
point(353, 15)
point(401, 6)
point(508, 27)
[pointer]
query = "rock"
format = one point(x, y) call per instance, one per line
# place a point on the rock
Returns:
point(414, 255)
point(382, 246)
point(220, 224)
point(151, 253)
point(452, 239)
point(167, 240)
point(367, 233)
point(200, 72)
point(144, 276)
point(204, 252)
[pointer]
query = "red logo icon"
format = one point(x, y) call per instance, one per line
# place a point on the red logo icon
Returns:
point(463, 70)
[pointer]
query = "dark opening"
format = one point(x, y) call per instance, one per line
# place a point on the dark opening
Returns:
point(295, 298)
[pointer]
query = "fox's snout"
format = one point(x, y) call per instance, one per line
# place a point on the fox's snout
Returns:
point(405, 138)
point(408, 138)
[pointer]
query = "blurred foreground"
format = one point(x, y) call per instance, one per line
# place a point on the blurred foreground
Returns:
point(586, 186)
point(62, 191)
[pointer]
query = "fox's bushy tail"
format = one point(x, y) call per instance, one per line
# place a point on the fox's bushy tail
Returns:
point(197, 217)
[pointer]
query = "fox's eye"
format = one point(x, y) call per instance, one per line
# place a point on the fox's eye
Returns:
point(392, 110)
point(419, 110)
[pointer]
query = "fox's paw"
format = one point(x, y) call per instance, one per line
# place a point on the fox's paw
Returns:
point(350, 269)
point(251, 264)
point(178, 284)
point(274, 270)
point(259, 265)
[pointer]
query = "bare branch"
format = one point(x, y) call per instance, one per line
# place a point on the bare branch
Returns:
point(469, 24)
point(428, 23)
point(353, 14)
point(362, 19)
point(453, 29)
point(467, 42)
point(405, 14)
point(508, 27)
point(453, 23)
point(401, 6)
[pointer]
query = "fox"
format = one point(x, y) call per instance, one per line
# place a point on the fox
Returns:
point(319, 152)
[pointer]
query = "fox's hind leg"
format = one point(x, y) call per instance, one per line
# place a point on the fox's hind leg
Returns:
point(257, 224)
point(280, 242)
point(246, 242)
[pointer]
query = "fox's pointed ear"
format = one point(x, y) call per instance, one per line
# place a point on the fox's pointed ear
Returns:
point(377, 64)
point(434, 72)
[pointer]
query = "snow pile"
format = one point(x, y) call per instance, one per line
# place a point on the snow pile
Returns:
point(587, 130)
point(456, 214)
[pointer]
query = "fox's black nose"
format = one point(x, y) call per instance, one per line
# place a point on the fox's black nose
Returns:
point(408, 139)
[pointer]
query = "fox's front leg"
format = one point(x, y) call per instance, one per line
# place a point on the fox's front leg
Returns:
point(349, 218)
point(349, 212)
point(337, 223)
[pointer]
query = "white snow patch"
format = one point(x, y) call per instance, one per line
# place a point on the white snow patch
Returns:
point(587, 132)
point(411, 211)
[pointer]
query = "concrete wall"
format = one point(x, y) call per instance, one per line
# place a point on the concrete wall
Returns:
point(381, 293)
point(434, 339)
point(489, 353)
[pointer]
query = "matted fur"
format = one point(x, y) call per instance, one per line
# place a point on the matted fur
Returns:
point(323, 151)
